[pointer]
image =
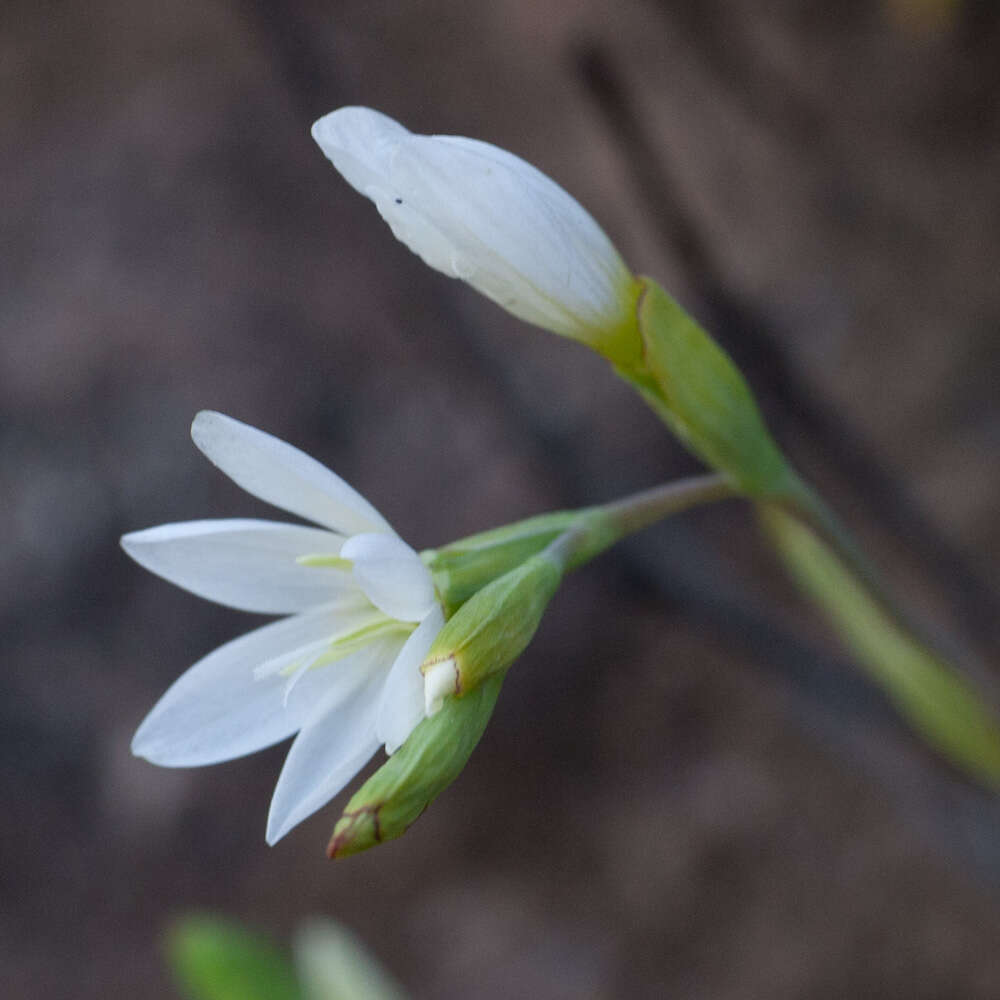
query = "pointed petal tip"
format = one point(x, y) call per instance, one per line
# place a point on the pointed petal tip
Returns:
point(281, 474)
point(142, 745)
point(323, 130)
point(146, 749)
point(334, 744)
point(203, 427)
point(276, 829)
point(204, 419)
point(150, 747)
point(279, 828)
point(134, 542)
point(342, 126)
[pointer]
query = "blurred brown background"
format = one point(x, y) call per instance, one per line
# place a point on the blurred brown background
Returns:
point(687, 789)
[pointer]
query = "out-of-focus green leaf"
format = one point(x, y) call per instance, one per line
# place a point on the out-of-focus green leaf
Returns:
point(334, 965)
point(941, 704)
point(215, 959)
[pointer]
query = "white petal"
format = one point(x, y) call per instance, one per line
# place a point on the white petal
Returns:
point(335, 742)
point(402, 705)
point(475, 211)
point(245, 564)
point(218, 710)
point(282, 475)
point(392, 575)
point(360, 143)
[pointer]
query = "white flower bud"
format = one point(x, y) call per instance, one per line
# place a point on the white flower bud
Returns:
point(477, 212)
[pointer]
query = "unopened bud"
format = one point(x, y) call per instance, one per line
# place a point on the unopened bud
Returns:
point(479, 213)
point(490, 630)
point(430, 760)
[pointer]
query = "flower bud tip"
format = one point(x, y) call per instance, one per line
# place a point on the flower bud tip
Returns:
point(441, 678)
point(355, 832)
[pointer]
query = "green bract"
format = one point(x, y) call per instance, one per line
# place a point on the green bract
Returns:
point(464, 567)
point(491, 629)
point(700, 394)
point(463, 674)
point(430, 760)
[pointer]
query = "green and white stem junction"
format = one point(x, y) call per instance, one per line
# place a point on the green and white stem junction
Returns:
point(487, 632)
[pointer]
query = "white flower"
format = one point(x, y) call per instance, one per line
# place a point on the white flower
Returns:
point(477, 212)
point(343, 671)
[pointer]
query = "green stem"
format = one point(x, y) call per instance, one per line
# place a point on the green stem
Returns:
point(464, 567)
point(808, 506)
point(939, 702)
point(601, 527)
point(703, 398)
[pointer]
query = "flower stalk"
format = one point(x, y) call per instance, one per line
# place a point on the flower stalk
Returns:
point(703, 398)
point(941, 704)
point(462, 568)
point(486, 633)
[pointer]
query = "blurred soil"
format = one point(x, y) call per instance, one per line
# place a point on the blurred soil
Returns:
point(687, 789)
